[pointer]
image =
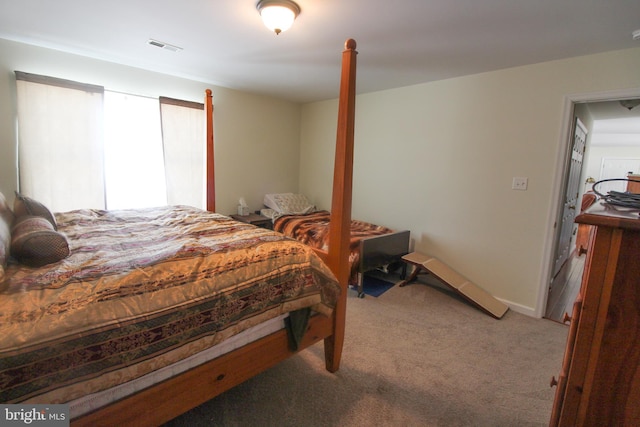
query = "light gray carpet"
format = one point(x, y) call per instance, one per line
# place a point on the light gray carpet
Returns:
point(415, 356)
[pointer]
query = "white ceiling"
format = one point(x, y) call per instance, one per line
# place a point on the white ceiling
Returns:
point(401, 42)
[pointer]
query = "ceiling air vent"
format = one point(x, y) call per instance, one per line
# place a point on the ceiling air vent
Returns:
point(163, 45)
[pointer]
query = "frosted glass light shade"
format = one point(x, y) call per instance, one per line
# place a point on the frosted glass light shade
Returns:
point(278, 16)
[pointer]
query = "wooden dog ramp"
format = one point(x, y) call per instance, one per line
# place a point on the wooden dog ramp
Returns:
point(462, 286)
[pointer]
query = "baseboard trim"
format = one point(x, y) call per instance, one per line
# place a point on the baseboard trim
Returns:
point(522, 309)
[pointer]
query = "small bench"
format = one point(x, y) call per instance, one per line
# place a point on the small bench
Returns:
point(468, 290)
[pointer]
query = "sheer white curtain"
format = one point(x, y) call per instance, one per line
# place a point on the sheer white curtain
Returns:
point(60, 142)
point(183, 128)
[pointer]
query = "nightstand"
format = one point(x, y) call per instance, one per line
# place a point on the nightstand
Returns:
point(254, 219)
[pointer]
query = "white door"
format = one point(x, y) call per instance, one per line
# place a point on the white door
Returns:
point(567, 225)
point(616, 167)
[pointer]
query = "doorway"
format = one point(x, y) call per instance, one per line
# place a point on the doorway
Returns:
point(613, 132)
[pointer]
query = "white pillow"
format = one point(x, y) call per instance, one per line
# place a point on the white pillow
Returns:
point(269, 213)
point(288, 203)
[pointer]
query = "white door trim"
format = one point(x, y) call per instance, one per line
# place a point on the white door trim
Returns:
point(558, 182)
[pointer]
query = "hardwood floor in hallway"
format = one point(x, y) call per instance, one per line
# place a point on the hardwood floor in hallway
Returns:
point(565, 288)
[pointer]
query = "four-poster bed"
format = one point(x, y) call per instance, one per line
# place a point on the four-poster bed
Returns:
point(314, 281)
point(209, 380)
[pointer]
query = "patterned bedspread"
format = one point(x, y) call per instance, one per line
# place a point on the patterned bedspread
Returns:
point(313, 229)
point(141, 290)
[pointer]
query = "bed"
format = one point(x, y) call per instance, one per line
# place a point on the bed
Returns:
point(141, 311)
point(371, 246)
point(140, 290)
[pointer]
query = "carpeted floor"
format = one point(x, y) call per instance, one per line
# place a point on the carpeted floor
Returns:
point(415, 356)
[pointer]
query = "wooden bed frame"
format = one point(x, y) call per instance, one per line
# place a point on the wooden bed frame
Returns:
point(168, 399)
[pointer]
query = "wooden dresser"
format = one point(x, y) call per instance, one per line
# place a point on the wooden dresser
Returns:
point(599, 383)
point(633, 186)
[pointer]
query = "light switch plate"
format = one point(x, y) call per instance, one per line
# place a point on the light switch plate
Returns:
point(519, 183)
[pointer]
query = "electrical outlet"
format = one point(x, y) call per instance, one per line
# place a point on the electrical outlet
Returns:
point(519, 183)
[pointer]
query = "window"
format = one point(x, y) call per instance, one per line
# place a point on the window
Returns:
point(133, 158)
point(83, 147)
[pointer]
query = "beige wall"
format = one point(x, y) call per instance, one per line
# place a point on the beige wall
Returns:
point(257, 138)
point(439, 158)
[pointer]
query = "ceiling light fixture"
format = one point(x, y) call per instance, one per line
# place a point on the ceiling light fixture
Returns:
point(278, 15)
point(630, 104)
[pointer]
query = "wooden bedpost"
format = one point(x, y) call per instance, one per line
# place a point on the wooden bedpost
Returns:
point(211, 186)
point(211, 378)
point(340, 224)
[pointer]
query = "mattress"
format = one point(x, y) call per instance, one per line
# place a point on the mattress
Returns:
point(94, 401)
